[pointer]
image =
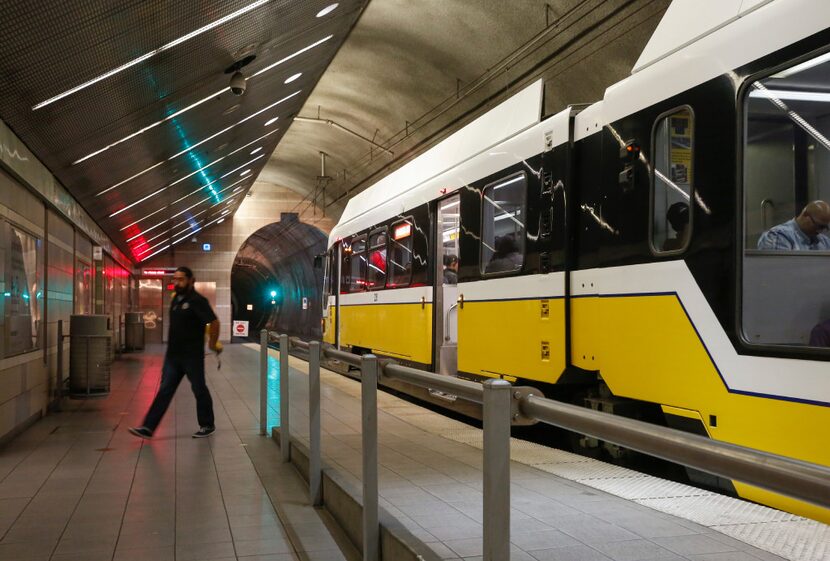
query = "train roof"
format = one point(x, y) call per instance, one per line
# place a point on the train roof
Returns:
point(504, 121)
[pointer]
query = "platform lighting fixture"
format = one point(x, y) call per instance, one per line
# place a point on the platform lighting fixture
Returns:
point(271, 121)
point(141, 200)
point(195, 104)
point(292, 78)
point(142, 218)
point(148, 55)
point(255, 150)
point(154, 253)
point(211, 137)
point(289, 57)
point(246, 172)
point(327, 10)
point(236, 169)
point(220, 220)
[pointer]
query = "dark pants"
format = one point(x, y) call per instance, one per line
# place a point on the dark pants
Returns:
point(175, 368)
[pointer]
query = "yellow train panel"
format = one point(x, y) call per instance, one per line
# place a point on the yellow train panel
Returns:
point(652, 352)
point(396, 330)
point(584, 332)
point(329, 324)
point(513, 337)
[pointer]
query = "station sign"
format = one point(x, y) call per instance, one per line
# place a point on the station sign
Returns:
point(158, 272)
point(240, 328)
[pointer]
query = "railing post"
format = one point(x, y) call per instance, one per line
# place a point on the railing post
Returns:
point(59, 371)
point(285, 433)
point(369, 408)
point(315, 487)
point(263, 382)
point(497, 470)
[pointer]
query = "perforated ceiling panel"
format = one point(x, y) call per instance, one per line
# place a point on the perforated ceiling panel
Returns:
point(128, 102)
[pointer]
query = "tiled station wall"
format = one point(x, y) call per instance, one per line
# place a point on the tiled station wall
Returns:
point(28, 380)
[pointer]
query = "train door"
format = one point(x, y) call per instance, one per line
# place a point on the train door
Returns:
point(446, 285)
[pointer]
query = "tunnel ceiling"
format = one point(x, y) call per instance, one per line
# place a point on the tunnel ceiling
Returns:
point(408, 74)
point(128, 104)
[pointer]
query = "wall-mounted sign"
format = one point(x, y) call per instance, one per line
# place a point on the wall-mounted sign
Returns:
point(97, 252)
point(240, 328)
point(249, 307)
point(158, 272)
point(305, 303)
point(205, 247)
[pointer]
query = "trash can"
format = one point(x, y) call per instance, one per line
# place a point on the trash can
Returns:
point(134, 331)
point(90, 356)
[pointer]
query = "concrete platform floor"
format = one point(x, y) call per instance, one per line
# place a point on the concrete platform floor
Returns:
point(78, 487)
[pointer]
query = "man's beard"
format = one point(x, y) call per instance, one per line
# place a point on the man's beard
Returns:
point(181, 290)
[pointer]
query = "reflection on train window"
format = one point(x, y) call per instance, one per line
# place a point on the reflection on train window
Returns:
point(786, 166)
point(672, 182)
point(83, 287)
point(23, 291)
point(354, 266)
point(503, 225)
point(400, 255)
point(376, 262)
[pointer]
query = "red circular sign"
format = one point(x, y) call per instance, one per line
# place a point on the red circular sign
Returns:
point(240, 328)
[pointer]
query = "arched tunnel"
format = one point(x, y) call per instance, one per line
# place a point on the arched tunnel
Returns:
point(274, 282)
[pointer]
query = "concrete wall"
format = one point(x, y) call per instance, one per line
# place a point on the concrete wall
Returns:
point(264, 206)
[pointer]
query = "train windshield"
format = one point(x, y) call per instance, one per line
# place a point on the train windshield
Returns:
point(787, 206)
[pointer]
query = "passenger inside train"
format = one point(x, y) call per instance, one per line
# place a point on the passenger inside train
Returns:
point(802, 233)
point(678, 218)
point(450, 269)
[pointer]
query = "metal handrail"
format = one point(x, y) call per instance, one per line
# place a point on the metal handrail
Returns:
point(504, 404)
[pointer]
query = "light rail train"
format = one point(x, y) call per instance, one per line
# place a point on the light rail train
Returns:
point(609, 253)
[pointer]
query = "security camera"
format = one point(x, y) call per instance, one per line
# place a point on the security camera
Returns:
point(238, 83)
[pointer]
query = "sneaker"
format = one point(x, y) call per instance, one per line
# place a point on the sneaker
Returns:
point(141, 432)
point(203, 432)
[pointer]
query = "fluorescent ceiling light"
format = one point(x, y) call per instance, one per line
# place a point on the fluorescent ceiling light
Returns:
point(155, 252)
point(289, 57)
point(236, 169)
point(148, 230)
point(292, 78)
point(791, 95)
point(152, 53)
point(187, 235)
point(220, 220)
point(803, 66)
point(143, 218)
point(327, 10)
point(255, 150)
point(149, 127)
point(286, 98)
point(141, 200)
point(271, 121)
point(120, 183)
point(246, 172)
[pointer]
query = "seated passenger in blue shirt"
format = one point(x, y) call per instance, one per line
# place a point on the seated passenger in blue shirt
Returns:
point(802, 233)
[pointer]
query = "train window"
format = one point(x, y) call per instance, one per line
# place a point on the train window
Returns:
point(354, 266)
point(503, 225)
point(376, 262)
point(23, 294)
point(673, 147)
point(786, 213)
point(400, 255)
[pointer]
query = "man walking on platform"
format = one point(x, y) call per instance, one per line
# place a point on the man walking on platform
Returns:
point(189, 313)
